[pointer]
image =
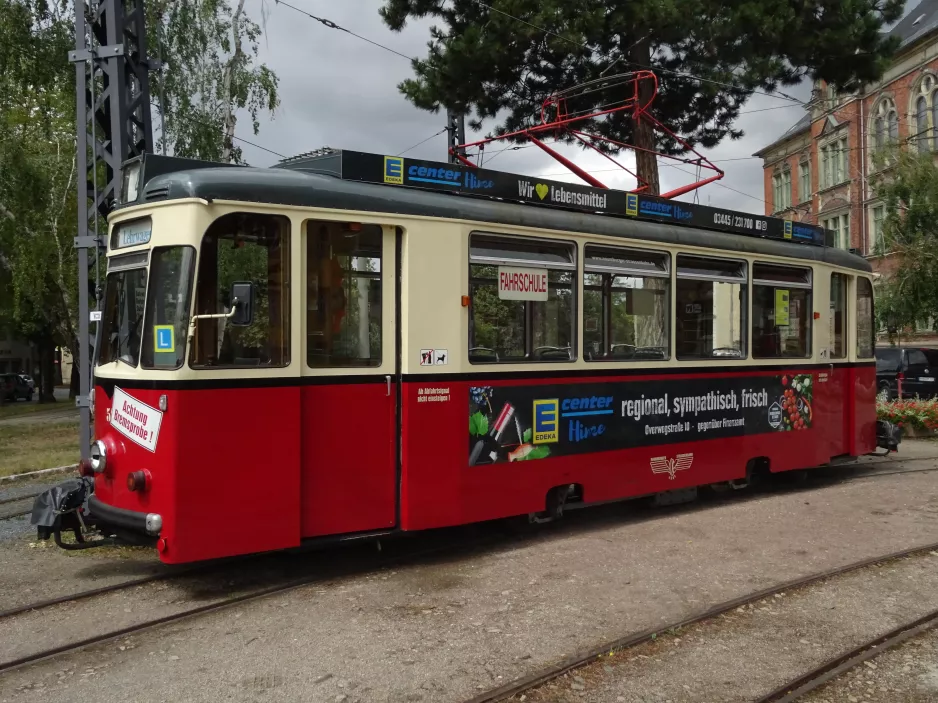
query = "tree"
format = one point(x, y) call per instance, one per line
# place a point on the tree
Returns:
point(501, 58)
point(909, 190)
point(210, 50)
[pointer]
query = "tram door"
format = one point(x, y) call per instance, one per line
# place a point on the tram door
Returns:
point(350, 384)
point(840, 403)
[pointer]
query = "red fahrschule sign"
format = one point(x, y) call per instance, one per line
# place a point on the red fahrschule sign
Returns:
point(522, 283)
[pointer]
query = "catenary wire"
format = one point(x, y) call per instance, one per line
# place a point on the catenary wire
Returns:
point(422, 141)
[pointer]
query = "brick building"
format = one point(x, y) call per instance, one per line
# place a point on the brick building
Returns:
point(819, 170)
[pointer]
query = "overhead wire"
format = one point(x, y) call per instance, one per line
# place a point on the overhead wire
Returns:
point(422, 141)
point(207, 124)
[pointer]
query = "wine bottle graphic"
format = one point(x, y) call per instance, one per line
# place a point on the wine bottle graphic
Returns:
point(488, 444)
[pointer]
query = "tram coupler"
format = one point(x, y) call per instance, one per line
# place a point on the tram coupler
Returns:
point(888, 436)
point(61, 508)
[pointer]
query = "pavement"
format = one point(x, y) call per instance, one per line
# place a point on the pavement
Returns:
point(446, 628)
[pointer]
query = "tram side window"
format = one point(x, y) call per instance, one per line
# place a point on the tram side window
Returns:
point(244, 247)
point(711, 308)
point(343, 294)
point(781, 312)
point(625, 304)
point(838, 319)
point(522, 299)
point(866, 332)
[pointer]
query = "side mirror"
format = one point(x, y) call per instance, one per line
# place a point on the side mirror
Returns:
point(242, 301)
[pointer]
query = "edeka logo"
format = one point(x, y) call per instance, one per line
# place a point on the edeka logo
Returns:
point(394, 170)
point(546, 421)
point(787, 233)
point(631, 204)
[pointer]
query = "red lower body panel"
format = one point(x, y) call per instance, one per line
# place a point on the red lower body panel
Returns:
point(242, 470)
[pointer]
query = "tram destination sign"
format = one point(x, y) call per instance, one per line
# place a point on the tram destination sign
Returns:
point(457, 178)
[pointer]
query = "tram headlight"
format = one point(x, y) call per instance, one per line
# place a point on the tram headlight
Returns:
point(98, 459)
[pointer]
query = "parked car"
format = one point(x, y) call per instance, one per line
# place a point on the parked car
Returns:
point(29, 381)
point(15, 388)
point(915, 367)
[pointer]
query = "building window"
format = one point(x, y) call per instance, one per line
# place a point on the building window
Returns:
point(877, 245)
point(834, 162)
point(343, 294)
point(625, 304)
point(804, 181)
point(922, 106)
point(885, 124)
point(711, 308)
point(781, 184)
point(781, 312)
point(840, 224)
point(921, 124)
point(522, 304)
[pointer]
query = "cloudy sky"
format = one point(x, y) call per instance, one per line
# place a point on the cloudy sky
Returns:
point(340, 91)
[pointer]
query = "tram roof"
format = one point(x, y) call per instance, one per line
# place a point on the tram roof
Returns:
point(320, 183)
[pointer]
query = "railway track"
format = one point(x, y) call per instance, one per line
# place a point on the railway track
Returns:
point(442, 545)
point(841, 664)
point(291, 584)
point(528, 683)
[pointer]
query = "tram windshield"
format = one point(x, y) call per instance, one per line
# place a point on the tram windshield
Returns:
point(147, 325)
point(123, 314)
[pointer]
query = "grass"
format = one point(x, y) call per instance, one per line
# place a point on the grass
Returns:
point(23, 408)
point(40, 445)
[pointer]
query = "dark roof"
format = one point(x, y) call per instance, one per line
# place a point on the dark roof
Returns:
point(301, 189)
point(922, 20)
point(802, 125)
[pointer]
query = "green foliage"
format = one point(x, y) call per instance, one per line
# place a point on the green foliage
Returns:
point(501, 68)
point(909, 190)
point(210, 50)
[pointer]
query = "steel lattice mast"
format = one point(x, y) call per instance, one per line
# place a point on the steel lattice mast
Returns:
point(113, 125)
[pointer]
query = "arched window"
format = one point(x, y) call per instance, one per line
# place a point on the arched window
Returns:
point(934, 116)
point(884, 124)
point(923, 111)
point(921, 123)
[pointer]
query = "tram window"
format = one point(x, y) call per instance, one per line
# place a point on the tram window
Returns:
point(711, 308)
point(166, 326)
point(838, 316)
point(781, 312)
point(123, 312)
point(343, 294)
point(866, 332)
point(625, 304)
point(522, 300)
point(244, 247)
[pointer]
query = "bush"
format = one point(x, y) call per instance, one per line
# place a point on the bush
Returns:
point(916, 414)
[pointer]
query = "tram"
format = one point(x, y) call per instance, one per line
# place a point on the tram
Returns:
point(350, 345)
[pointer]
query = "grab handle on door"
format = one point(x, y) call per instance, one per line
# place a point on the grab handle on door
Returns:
point(388, 379)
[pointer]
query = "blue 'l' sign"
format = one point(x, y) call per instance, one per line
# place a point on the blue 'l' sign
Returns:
point(164, 338)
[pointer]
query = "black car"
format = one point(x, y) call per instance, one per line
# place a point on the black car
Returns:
point(14, 388)
point(916, 367)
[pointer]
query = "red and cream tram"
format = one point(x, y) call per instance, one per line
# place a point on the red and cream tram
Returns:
point(351, 344)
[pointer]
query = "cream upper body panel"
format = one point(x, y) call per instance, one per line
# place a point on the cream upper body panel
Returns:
point(434, 279)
